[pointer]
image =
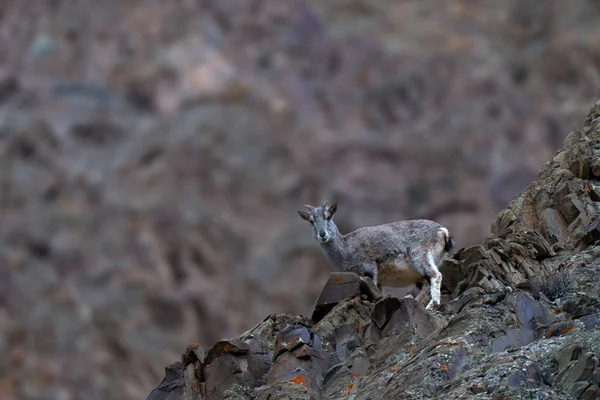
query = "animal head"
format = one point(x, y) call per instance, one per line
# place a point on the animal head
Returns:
point(321, 220)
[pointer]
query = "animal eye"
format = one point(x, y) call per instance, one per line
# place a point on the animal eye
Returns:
point(312, 221)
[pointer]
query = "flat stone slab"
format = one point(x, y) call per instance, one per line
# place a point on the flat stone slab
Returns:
point(291, 338)
point(340, 286)
point(233, 346)
point(402, 314)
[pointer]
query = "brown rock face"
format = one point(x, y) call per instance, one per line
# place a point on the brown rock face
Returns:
point(520, 316)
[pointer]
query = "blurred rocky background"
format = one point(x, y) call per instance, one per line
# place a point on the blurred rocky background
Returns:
point(153, 155)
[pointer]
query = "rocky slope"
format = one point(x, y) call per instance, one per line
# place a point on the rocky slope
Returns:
point(153, 154)
point(520, 316)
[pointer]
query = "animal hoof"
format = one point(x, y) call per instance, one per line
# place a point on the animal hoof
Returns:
point(431, 305)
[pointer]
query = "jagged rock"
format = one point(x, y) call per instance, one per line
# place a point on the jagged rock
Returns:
point(592, 234)
point(354, 312)
point(493, 298)
point(470, 295)
point(259, 360)
point(555, 227)
point(559, 328)
point(531, 313)
point(578, 369)
point(340, 286)
point(502, 225)
point(384, 309)
point(290, 338)
point(452, 274)
point(191, 388)
point(225, 371)
point(340, 379)
point(268, 329)
point(596, 168)
point(591, 321)
point(347, 338)
point(233, 346)
point(499, 335)
point(369, 290)
point(391, 314)
point(530, 287)
point(298, 363)
point(192, 354)
point(172, 386)
point(471, 255)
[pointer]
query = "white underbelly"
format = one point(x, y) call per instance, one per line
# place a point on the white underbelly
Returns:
point(397, 273)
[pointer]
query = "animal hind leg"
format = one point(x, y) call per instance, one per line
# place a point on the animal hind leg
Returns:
point(425, 265)
point(435, 281)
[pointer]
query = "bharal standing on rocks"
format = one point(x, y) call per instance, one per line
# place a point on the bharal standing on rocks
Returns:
point(396, 254)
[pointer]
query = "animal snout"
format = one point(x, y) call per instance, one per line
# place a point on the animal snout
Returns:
point(322, 234)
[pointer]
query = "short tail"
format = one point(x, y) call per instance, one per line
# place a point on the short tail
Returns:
point(448, 241)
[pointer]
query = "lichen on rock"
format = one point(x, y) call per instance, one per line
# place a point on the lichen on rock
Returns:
point(520, 316)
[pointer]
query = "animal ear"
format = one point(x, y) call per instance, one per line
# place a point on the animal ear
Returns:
point(332, 209)
point(303, 215)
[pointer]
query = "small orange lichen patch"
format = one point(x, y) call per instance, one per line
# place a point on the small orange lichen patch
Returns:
point(228, 348)
point(413, 349)
point(566, 330)
point(349, 390)
point(562, 331)
point(298, 380)
point(355, 375)
point(444, 367)
point(395, 368)
point(585, 222)
point(336, 279)
point(517, 322)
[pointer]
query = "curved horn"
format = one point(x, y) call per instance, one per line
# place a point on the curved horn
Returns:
point(310, 208)
point(325, 204)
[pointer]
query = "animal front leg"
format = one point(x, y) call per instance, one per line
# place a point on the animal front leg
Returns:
point(377, 281)
point(370, 271)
